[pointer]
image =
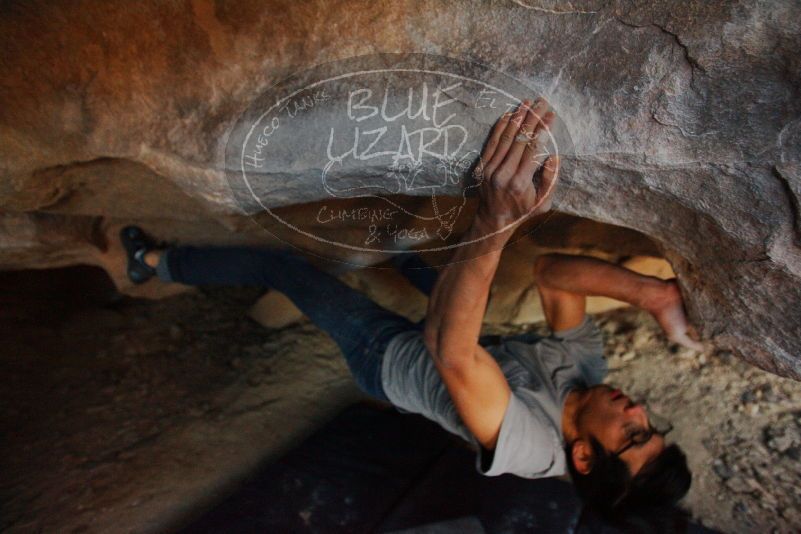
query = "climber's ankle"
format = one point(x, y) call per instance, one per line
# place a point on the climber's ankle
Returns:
point(152, 257)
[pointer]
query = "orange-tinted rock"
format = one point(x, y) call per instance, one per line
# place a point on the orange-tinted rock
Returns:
point(684, 119)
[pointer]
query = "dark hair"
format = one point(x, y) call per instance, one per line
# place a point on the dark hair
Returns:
point(645, 502)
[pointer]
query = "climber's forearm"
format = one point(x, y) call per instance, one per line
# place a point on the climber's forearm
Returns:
point(459, 298)
point(588, 276)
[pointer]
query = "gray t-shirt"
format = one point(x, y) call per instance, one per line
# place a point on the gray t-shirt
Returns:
point(540, 374)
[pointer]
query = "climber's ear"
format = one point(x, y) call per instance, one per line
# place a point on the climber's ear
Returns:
point(581, 455)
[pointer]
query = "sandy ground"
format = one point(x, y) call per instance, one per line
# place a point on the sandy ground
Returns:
point(135, 416)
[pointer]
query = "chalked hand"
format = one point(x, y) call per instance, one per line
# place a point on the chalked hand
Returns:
point(509, 162)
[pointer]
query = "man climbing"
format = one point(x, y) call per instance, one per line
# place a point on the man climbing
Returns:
point(534, 407)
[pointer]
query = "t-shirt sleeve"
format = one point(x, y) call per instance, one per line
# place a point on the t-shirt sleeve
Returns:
point(528, 445)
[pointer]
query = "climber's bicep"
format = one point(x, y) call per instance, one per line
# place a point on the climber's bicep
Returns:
point(480, 393)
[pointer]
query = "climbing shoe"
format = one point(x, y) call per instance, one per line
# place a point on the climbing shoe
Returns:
point(137, 244)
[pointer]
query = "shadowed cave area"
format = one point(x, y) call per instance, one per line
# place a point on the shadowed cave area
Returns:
point(224, 409)
point(349, 133)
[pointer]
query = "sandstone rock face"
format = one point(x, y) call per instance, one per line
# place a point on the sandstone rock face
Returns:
point(684, 121)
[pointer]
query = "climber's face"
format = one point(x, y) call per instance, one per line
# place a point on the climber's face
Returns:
point(619, 424)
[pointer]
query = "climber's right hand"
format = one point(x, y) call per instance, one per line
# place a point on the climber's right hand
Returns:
point(507, 166)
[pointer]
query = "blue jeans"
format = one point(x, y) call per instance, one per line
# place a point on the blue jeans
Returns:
point(360, 327)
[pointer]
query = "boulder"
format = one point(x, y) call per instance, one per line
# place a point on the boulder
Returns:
point(680, 127)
